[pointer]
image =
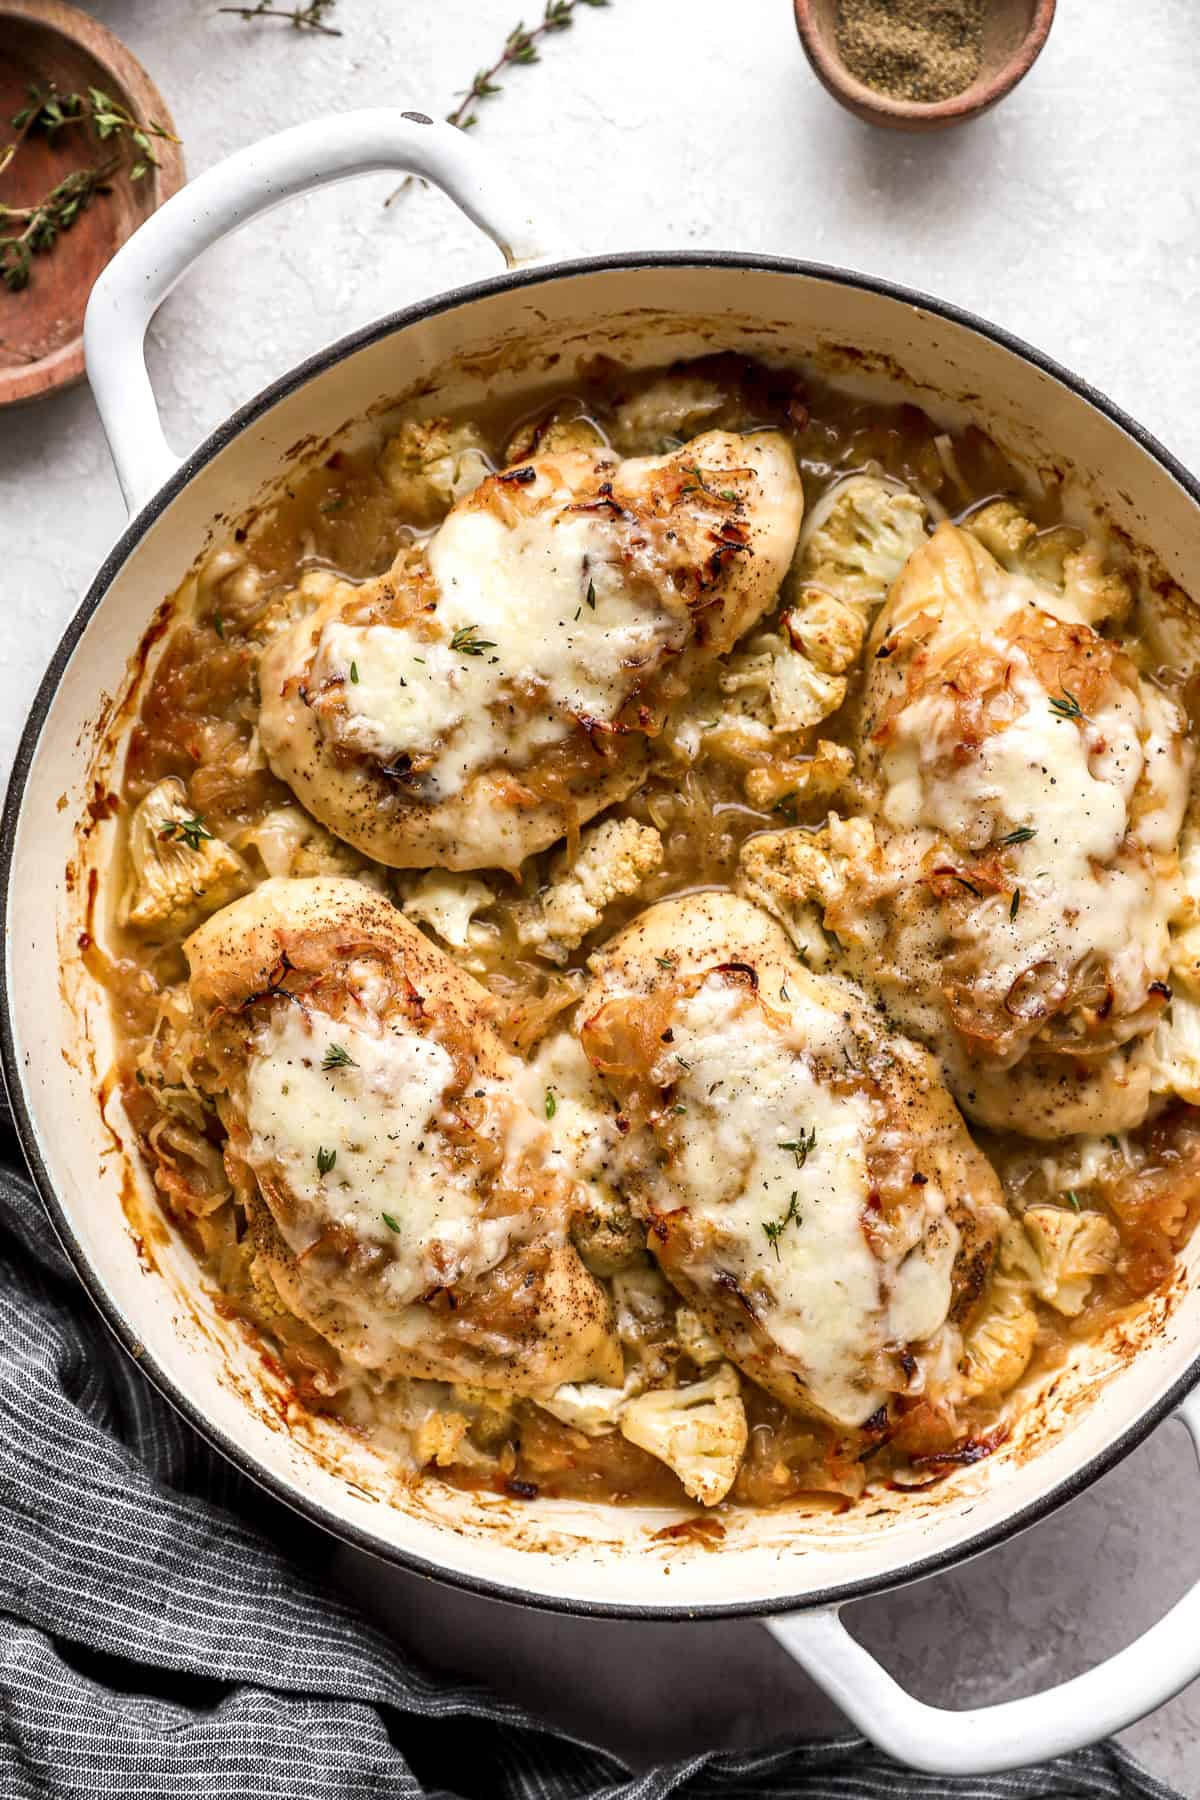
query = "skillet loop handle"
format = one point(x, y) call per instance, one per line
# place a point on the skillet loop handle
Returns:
point(987, 1739)
point(250, 182)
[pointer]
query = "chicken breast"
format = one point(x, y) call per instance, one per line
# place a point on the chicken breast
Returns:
point(501, 682)
point(807, 1182)
point(1025, 789)
point(404, 1200)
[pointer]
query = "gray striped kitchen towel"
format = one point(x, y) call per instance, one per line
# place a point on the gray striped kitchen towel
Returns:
point(168, 1633)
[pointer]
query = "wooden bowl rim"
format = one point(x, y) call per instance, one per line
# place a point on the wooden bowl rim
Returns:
point(64, 366)
point(882, 109)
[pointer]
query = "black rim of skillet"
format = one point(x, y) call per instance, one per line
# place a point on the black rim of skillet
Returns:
point(1066, 1490)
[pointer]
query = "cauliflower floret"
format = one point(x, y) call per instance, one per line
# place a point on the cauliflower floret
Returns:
point(558, 430)
point(1060, 558)
point(591, 1408)
point(695, 1339)
point(606, 1234)
point(672, 409)
point(438, 1439)
point(290, 842)
point(430, 463)
point(801, 693)
point(559, 1082)
point(777, 688)
point(699, 1431)
point(858, 537)
point(1175, 1050)
point(1061, 1251)
point(614, 859)
point(997, 1349)
point(488, 1411)
point(229, 590)
point(829, 632)
point(644, 1309)
point(795, 781)
point(447, 903)
point(266, 1294)
point(794, 875)
point(179, 872)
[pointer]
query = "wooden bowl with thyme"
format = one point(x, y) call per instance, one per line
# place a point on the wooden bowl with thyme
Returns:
point(87, 151)
point(920, 65)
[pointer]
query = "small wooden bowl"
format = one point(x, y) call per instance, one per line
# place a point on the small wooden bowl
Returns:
point(41, 326)
point(1013, 34)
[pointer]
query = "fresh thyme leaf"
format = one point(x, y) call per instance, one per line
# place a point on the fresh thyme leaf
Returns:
point(219, 626)
point(783, 991)
point(392, 1224)
point(467, 644)
point(665, 962)
point(1015, 906)
point(682, 1061)
point(325, 1160)
point(785, 802)
point(520, 49)
point(193, 832)
point(1110, 1137)
point(354, 673)
point(337, 1058)
point(801, 1147)
point(47, 219)
point(969, 885)
point(48, 111)
point(311, 17)
point(679, 1107)
point(1021, 835)
point(773, 1229)
point(1066, 706)
point(590, 596)
point(551, 1103)
point(1072, 1198)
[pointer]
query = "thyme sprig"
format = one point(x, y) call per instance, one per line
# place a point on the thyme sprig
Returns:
point(467, 644)
point(337, 1057)
point(56, 212)
point(48, 112)
point(312, 17)
point(520, 49)
point(801, 1147)
point(193, 832)
point(773, 1229)
point(1066, 706)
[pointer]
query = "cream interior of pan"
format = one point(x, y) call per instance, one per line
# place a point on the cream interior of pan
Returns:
point(523, 338)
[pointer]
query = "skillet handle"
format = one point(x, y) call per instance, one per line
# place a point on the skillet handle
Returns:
point(250, 182)
point(983, 1740)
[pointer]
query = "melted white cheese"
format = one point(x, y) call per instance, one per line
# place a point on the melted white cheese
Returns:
point(749, 1091)
point(382, 1115)
point(553, 655)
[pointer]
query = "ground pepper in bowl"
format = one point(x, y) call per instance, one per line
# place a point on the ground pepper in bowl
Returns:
point(921, 50)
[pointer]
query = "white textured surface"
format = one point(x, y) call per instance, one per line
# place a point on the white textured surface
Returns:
point(1070, 215)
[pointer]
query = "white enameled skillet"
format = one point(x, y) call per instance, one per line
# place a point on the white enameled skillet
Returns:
point(526, 329)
